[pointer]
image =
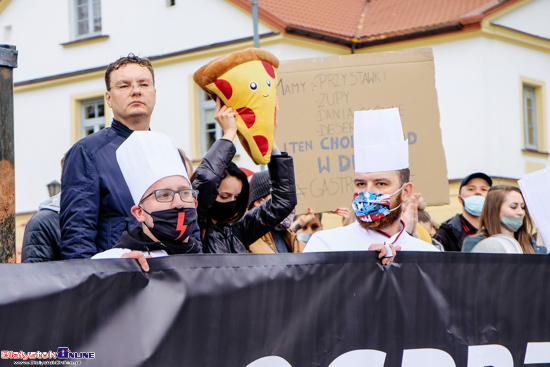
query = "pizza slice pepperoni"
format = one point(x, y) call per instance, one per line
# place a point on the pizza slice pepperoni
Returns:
point(246, 80)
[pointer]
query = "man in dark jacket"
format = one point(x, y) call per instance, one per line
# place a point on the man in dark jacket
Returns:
point(472, 192)
point(95, 206)
point(42, 233)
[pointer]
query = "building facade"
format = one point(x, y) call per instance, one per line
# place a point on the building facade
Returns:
point(492, 65)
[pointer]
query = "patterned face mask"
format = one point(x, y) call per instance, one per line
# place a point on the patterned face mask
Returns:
point(370, 206)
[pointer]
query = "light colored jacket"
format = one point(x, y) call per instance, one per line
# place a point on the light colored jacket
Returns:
point(266, 244)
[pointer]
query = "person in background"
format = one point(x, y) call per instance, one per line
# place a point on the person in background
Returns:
point(409, 216)
point(472, 192)
point(223, 188)
point(188, 163)
point(42, 235)
point(280, 239)
point(425, 219)
point(426, 223)
point(348, 217)
point(305, 225)
point(505, 212)
point(164, 202)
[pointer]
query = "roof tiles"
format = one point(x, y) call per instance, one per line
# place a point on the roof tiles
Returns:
point(365, 20)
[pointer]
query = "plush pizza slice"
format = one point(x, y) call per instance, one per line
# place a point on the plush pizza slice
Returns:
point(246, 80)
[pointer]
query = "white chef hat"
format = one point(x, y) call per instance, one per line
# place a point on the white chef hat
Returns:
point(146, 157)
point(378, 141)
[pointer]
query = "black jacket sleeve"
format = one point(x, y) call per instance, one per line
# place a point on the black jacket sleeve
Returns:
point(42, 238)
point(209, 173)
point(267, 216)
point(450, 234)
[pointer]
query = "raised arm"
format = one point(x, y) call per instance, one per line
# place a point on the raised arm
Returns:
point(210, 172)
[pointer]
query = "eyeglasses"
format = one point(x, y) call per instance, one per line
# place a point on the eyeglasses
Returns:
point(127, 86)
point(167, 195)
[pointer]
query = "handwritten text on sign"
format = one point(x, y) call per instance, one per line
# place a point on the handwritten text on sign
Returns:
point(318, 98)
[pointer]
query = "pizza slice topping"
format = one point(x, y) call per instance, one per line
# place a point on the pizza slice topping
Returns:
point(246, 81)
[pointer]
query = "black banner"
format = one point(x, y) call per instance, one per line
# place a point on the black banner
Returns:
point(325, 309)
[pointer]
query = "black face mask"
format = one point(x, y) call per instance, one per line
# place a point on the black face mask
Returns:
point(221, 212)
point(173, 225)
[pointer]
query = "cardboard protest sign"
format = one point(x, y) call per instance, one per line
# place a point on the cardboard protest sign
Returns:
point(317, 99)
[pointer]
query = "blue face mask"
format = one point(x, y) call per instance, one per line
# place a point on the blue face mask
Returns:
point(474, 204)
point(303, 236)
point(370, 206)
point(511, 223)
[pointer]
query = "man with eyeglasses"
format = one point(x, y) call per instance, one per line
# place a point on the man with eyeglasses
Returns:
point(95, 207)
point(165, 203)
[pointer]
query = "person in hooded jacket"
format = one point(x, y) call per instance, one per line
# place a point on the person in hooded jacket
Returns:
point(42, 237)
point(43, 233)
point(223, 188)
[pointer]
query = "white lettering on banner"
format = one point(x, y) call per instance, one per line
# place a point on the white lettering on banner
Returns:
point(537, 353)
point(427, 357)
point(489, 355)
point(478, 356)
point(271, 361)
point(360, 358)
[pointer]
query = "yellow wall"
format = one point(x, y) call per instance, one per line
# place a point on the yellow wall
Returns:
point(20, 222)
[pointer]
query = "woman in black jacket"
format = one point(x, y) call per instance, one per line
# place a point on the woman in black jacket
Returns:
point(225, 225)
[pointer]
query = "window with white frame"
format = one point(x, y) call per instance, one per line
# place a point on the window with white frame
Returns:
point(87, 18)
point(93, 116)
point(210, 130)
point(530, 118)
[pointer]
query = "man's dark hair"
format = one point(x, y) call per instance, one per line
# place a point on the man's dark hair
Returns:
point(123, 61)
point(404, 176)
